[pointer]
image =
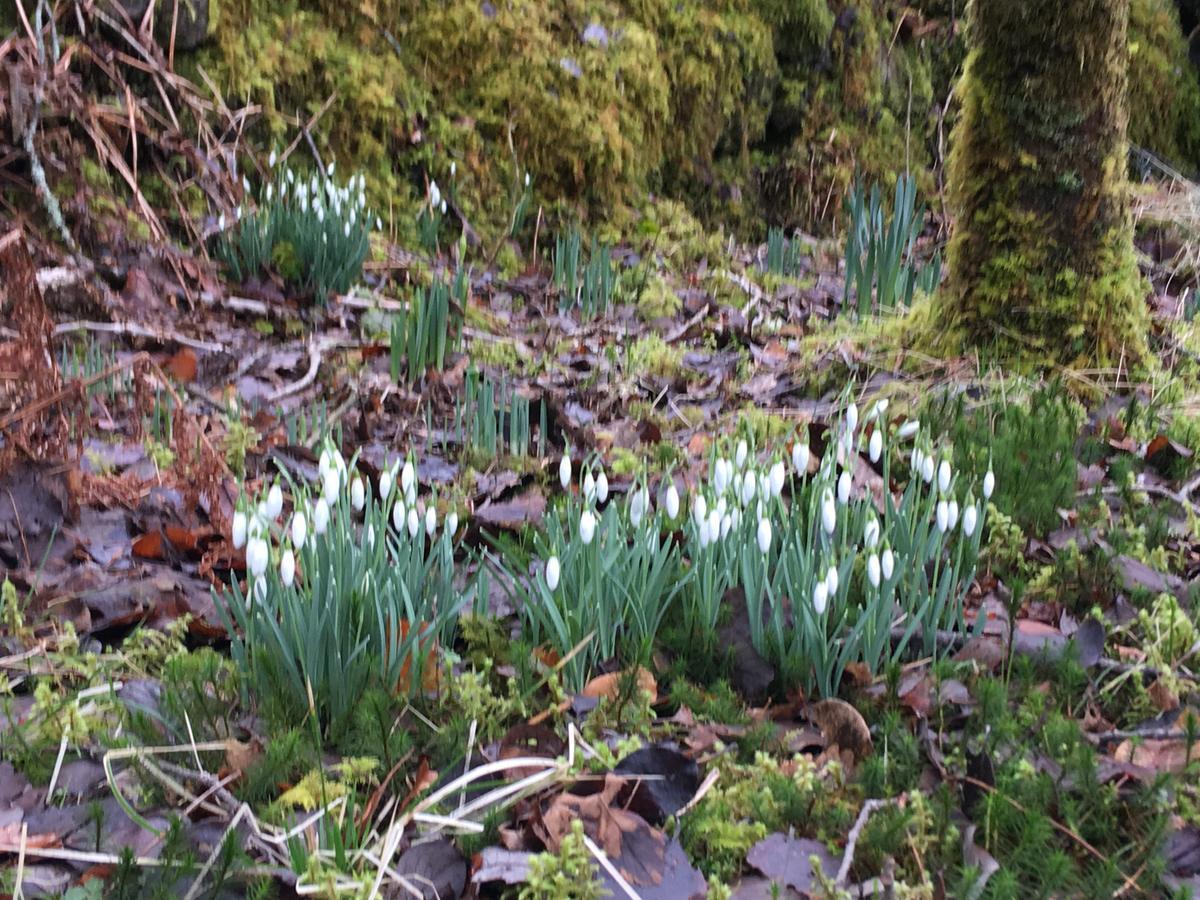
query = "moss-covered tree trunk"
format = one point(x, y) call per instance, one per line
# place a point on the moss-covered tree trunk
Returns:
point(1041, 258)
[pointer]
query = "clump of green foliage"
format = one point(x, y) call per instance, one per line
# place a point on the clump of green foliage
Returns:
point(569, 874)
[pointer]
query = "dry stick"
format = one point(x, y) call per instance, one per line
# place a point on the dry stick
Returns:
point(134, 330)
point(1058, 826)
point(864, 814)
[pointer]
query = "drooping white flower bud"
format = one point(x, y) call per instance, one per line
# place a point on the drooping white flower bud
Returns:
point(408, 478)
point(820, 598)
point(927, 467)
point(871, 532)
point(726, 525)
point(330, 482)
point(800, 456)
point(969, 520)
point(908, 429)
point(989, 485)
point(943, 475)
point(602, 488)
point(699, 509)
point(739, 457)
point(714, 525)
point(764, 535)
point(720, 477)
point(564, 471)
point(274, 502)
point(875, 448)
point(637, 507)
point(452, 523)
point(320, 516)
point(238, 531)
point(888, 563)
point(287, 568)
point(589, 487)
point(358, 494)
point(299, 529)
point(777, 476)
point(672, 502)
point(952, 517)
point(831, 581)
point(851, 417)
point(748, 487)
point(553, 573)
point(587, 527)
point(828, 512)
point(257, 557)
point(414, 523)
point(873, 572)
point(398, 515)
point(943, 516)
point(385, 484)
point(843, 487)
point(430, 520)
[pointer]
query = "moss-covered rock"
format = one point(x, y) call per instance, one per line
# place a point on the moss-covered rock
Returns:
point(1041, 261)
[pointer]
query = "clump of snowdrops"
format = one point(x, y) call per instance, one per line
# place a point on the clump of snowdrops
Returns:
point(353, 588)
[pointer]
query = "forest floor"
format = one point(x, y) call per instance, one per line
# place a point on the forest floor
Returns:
point(563, 568)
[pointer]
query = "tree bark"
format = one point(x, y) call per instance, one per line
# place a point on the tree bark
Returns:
point(1041, 259)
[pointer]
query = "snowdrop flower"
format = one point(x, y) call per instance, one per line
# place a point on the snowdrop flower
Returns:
point(299, 529)
point(589, 487)
point(346, 229)
point(748, 485)
point(274, 502)
point(408, 478)
point(587, 527)
point(944, 475)
point(271, 160)
point(714, 525)
point(871, 533)
point(358, 494)
point(672, 502)
point(320, 516)
point(820, 598)
point(875, 448)
point(800, 459)
point(637, 507)
point(720, 477)
point(989, 484)
point(873, 570)
point(943, 516)
point(452, 524)
point(257, 556)
point(969, 520)
point(245, 184)
point(722, 506)
point(398, 516)
point(952, 510)
point(553, 573)
point(369, 536)
point(287, 568)
point(221, 222)
point(908, 429)
point(414, 522)
point(927, 467)
point(330, 168)
point(435, 195)
point(735, 518)
point(564, 471)
point(453, 169)
point(777, 476)
point(378, 224)
point(843, 487)
point(917, 459)
point(851, 417)
point(430, 520)
point(260, 589)
point(526, 179)
point(879, 408)
point(331, 483)
point(699, 509)
point(764, 535)
point(831, 580)
point(828, 512)
point(385, 484)
point(270, 192)
point(739, 458)
point(888, 563)
point(321, 215)
point(239, 530)
point(726, 525)
point(702, 534)
point(602, 488)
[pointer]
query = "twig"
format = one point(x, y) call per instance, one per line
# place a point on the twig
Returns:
point(134, 330)
point(1149, 734)
point(864, 814)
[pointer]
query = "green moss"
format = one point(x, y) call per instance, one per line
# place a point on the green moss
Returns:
point(623, 462)
point(1164, 93)
point(653, 356)
point(657, 299)
point(764, 427)
point(501, 353)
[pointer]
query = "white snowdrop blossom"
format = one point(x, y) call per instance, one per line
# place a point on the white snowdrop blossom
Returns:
point(748, 486)
point(831, 581)
point(398, 516)
point(589, 486)
point(871, 532)
point(260, 590)
point(820, 598)
point(672, 502)
point(943, 516)
point(369, 536)
point(330, 484)
point(385, 484)
point(257, 557)
point(851, 417)
point(720, 478)
point(414, 523)
point(927, 467)
point(969, 520)
point(800, 456)
point(602, 488)
point(699, 509)
point(828, 512)
point(908, 429)
point(875, 448)
point(287, 568)
point(714, 525)
point(299, 529)
point(873, 570)
point(274, 502)
point(952, 518)
point(637, 507)
point(739, 458)
point(777, 476)
point(726, 525)
point(943, 475)
point(358, 494)
point(587, 527)
point(238, 531)
point(917, 459)
point(722, 506)
point(888, 564)
point(989, 484)
point(430, 520)
point(408, 478)
point(735, 518)
point(564, 471)
point(553, 573)
point(320, 516)
point(435, 195)
point(878, 408)
point(764, 535)
point(843, 487)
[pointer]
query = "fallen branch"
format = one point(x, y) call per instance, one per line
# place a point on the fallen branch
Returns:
point(868, 808)
point(133, 330)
